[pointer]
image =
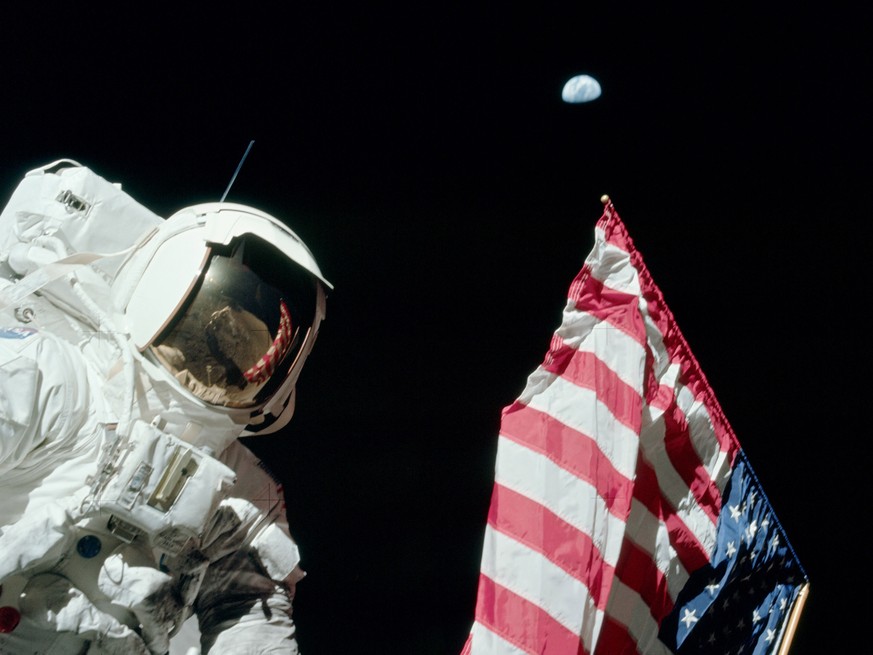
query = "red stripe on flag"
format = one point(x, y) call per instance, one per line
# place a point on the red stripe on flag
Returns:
point(685, 459)
point(522, 623)
point(646, 491)
point(542, 530)
point(615, 233)
point(586, 370)
point(618, 308)
point(637, 570)
point(573, 451)
point(615, 639)
point(678, 351)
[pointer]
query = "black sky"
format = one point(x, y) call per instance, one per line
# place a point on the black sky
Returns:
point(424, 154)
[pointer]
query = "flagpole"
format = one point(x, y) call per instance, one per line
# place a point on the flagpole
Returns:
point(793, 619)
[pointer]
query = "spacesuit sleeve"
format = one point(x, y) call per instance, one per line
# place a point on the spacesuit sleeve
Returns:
point(46, 410)
point(245, 601)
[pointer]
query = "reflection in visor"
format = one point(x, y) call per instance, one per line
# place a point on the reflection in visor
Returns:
point(261, 372)
point(241, 330)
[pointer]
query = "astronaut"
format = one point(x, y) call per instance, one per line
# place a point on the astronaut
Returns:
point(134, 353)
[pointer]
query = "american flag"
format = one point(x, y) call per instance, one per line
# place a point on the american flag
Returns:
point(625, 518)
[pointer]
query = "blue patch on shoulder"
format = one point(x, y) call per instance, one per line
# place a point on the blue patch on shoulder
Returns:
point(16, 332)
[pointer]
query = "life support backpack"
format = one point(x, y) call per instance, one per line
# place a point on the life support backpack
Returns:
point(61, 217)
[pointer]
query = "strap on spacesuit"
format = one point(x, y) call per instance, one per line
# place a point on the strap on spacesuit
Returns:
point(47, 273)
point(36, 280)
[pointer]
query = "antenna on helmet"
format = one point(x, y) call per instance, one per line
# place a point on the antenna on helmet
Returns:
point(236, 172)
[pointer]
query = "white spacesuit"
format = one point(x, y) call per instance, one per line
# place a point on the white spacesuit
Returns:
point(134, 351)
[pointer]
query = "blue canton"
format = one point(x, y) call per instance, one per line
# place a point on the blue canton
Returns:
point(739, 603)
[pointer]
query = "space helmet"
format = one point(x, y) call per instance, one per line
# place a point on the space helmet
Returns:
point(228, 301)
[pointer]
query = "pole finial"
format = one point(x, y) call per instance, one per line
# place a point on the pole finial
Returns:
point(604, 199)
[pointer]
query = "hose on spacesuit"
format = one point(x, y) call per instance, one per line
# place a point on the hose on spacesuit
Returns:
point(104, 323)
point(116, 436)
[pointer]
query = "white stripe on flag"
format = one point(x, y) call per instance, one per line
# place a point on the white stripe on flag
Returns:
point(620, 351)
point(572, 499)
point(707, 446)
point(612, 265)
point(626, 607)
point(675, 489)
point(580, 409)
point(642, 521)
point(701, 425)
point(533, 577)
point(488, 643)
